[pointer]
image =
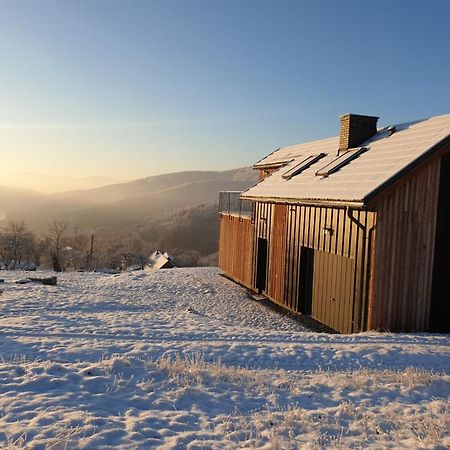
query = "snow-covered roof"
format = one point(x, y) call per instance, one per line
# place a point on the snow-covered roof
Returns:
point(158, 260)
point(385, 158)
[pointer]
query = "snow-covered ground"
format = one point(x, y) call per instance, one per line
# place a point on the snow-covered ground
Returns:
point(183, 358)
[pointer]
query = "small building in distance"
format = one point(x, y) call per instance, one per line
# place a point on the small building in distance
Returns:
point(159, 260)
point(352, 230)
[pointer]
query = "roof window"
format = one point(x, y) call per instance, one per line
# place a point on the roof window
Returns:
point(300, 167)
point(339, 162)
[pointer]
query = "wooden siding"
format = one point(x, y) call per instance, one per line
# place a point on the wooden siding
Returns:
point(277, 253)
point(336, 231)
point(236, 248)
point(403, 259)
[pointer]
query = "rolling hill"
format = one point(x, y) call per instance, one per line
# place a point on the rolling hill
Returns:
point(12, 198)
point(123, 204)
point(178, 210)
point(195, 185)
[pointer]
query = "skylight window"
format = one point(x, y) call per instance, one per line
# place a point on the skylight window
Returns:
point(300, 167)
point(340, 161)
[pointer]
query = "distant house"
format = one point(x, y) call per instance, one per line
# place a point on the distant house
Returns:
point(353, 230)
point(158, 260)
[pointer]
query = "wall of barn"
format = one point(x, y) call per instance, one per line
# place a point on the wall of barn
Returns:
point(340, 282)
point(236, 248)
point(403, 258)
point(372, 269)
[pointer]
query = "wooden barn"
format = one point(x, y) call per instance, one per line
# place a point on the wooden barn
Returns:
point(351, 230)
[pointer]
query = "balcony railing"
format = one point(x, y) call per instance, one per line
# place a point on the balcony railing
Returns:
point(230, 202)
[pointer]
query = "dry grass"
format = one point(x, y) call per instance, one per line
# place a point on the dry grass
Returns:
point(354, 409)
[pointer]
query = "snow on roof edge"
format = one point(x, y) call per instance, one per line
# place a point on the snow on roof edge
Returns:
point(388, 158)
point(406, 169)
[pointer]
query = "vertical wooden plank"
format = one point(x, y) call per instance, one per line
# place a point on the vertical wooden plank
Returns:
point(277, 252)
point(319, 228)
point(288, 266)
point(432, 209)
point(299, 223)
point(403, 261)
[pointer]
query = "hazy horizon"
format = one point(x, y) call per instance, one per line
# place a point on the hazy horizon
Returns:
point(53, 184)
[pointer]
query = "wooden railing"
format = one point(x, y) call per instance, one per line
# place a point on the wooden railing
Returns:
point(230, 202)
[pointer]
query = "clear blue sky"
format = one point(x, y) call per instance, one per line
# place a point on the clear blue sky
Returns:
point(135, 88)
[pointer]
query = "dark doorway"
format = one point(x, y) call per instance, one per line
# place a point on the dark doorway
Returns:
point(306, 280)
point(261, 265)
point(440, 296)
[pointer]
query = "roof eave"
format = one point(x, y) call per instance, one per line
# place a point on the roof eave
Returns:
point(357, 204)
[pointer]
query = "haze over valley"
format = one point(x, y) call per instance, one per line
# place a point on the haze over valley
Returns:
point(176, 212)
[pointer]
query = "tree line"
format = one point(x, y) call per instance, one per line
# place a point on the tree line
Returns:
point(62, 247)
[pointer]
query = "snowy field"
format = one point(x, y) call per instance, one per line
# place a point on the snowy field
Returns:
point(184, 359)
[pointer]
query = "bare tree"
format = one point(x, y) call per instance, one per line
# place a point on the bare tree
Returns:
point(37, 247)
point(56, 233)
point(5, 250)
point(15, 243)
point(76, 249)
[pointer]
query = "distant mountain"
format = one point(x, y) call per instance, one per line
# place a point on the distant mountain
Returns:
point(51, 184)
point(192, 184)
point(12, 198)
point(123, 205)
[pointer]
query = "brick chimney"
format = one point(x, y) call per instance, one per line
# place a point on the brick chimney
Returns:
point(356, 129)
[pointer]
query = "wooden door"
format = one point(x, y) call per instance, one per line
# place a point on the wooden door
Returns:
point(332, 290)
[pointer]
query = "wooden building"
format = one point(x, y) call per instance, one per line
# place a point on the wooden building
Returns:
point(351, 230)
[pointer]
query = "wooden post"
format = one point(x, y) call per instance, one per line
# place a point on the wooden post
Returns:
point(90, 254)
